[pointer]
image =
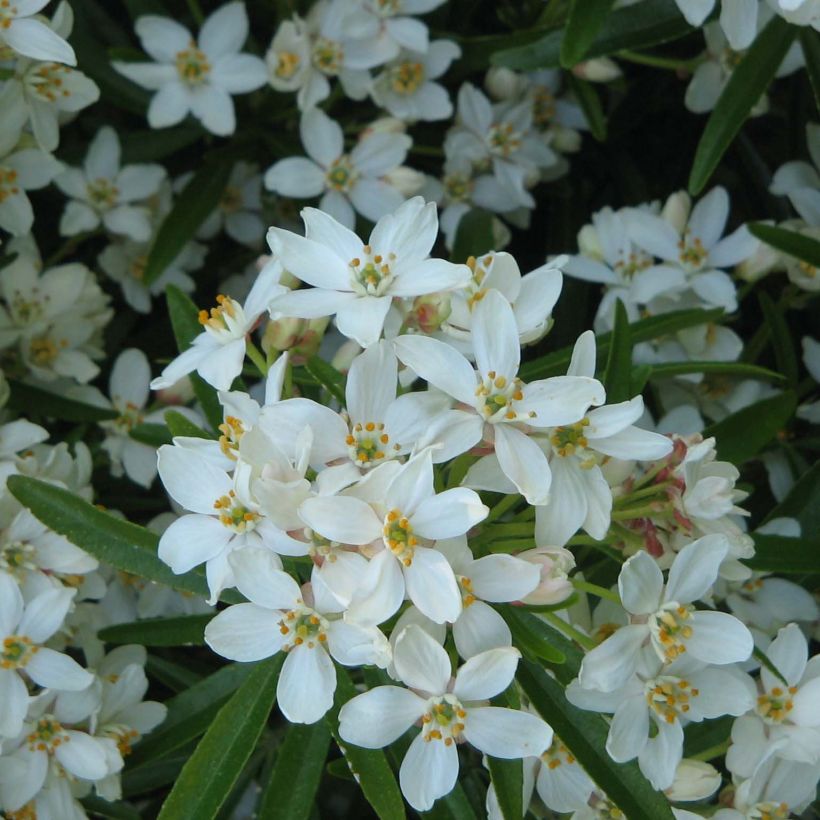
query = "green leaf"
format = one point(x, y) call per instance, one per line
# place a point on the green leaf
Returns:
point(634, 27)
point(171, 674)
point(747, 84)
point(802, 502)
point(178, 631)
point(474, 235)
point(185, 323)
point(779, 553)
point(154, 435)
point(810, 43)
point(531, 634)
point(753, 371)
point(653, 327)
point(26, 398)
point(148, 145)
point(300, 763)
point(590, 103)
point(708, 734)
point(191, 208)
point(370, 766)
point(210, 773)
point(789, 242)
point(584, 734)
point(179, 425)
point(328, 376)
point(508, 779)
point(784, 353)
point(116, 810)
point(190, 713)
point(618, 370)
point(123, 545)
point(743, 434)
point(586, 17)
point(453, 806)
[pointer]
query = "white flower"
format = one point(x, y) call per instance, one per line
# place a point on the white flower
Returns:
point(218, 352)
point(279, 618)
point(493, 579)
point(358, 281)
point(408, 515)
point(800, 181)
point(398, 30)
point(21, 169)
point(224, 516)
point(562, 783)
point(345, 180)
point(24, 628)
point(238, 211)
point(405, 86)
point(104, 192)
point(31, 37)
point(450, 713)
point(666, 617)
point(196, 75)
point(503, 409)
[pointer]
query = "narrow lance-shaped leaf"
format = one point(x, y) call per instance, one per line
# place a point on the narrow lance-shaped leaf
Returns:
point(179, 425)
point(667, 369)
point(294, 781)
point(584, 734)
point(618, 368)
point(373, 772)
point(192, 207)
point(590, 104)
point(508, 781)
point(745, 433)
point(747, 84)
point(327, 375)
point(779, 553)
point(810, 43)
point(27, 398)
point(531, 635)
point(125, 546)
point(784, 352)
point(178, 631)
point(474, 235)
point(207, 778)
point(792, 243)
point(586, 17)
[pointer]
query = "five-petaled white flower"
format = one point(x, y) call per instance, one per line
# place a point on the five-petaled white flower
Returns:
point(26, 35)
point(451, 712)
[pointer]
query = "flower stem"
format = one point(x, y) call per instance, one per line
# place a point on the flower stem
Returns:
point(255, 355)
point(506, 504)
point(196, 11)
point(712, 752)
point(646, 492)
point(652, 510)
point(568, 629)
point(594, 589)
point(659, 62)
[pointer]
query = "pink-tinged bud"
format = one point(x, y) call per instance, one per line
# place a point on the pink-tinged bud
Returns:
point(406, 181)
point(301, 337)
point(503, 83)
point(597, 70)
point(383, 125)
point(555, 564)
point(344, 356)
point(676, 210)
point(429, 312)
point(180, 392)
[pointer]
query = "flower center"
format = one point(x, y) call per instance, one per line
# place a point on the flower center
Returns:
point(341, 176)
point(457, 187)
point(669, 629)
point(368, 444)
point(370, 274)
point(328, 56)
point(774, 706)
point(406, 78)
point(46, 81)
point(503, 139)
point(232, 431)
point(543, 106)
point(465, 584)
point(636, 261)
point(137, 267)
point(231, 200)
point(443, 720)
point(43, 351)
point(48, 734)
point(668, 697)
point(192, 65)
point(769, 811)
point(557, 755)
point(17, 558)
point(7, 13)
point(691, 252)
point(129, 417)
point(287, 64)
point(235, 515)
point(27, 812)
point(321, 548)
point(123, 736)
point(496, 395)
point(570, 438)
point(8, 187)
point(17, 651)
point(303, 626)
point(102, 193)
point(225, 321)
point(398, 537)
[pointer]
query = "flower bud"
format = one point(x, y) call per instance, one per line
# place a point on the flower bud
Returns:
point(555, 564)
point(383, 125)
point(694, 780)
point(589, 244)
point(180, 392)
point(566, 140)
point(406, 181)
point(429, 312)
point(676, 210)
point(764, 260)
point(301, 337)
point(598, 70)
point(503, 83)
point(344, 356)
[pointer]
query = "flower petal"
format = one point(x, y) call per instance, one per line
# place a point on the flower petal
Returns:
point(245, 632)
point(428, 771)
point(506, 733)
point(379, 717)
point(421, 663)
point(306, 685)
point(487, 674)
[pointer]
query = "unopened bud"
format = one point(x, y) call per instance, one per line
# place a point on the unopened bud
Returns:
point(694, 780)
point(383, 125)
point(345, 355)
point(589, 244)
point(565, 140)
point(429, 312)
point(180, 392)
point(555, 565)
point(503, 83)
point(676, 210)
point(406, 181)
point(597, 70)
point(301, 337)
point(764, 260)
